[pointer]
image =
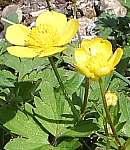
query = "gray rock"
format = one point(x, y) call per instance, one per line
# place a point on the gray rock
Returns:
point(113, 7)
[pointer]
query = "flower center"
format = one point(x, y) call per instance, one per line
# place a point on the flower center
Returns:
point(42, 36)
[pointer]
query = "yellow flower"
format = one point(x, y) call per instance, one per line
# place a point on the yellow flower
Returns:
point(111, 98)
point(95, 58)
point(51, 34)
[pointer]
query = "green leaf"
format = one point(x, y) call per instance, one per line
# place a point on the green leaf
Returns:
point(105, 32)
point(120, 126)
point(68, 56)
point(73, 84)
point(122, 68)
point(121, 77)
point(13, 17)
point(126, 3)
point(12, 14)
point(82, 129)
point(68, 145)
point(52, 105)
point(95, 93)
point(126, 51)
point(6, 79)
point(25, 144)
point(48, 112)
point(7, 112)
point(117, 84)
point(24, 125)
point(126, 129)
point(34, 144)
point(24, 90)
point(125, 114)
point(23, 66)
point(3, 46)
point(124, 107)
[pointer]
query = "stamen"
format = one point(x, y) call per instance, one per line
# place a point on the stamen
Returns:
point(42, 36)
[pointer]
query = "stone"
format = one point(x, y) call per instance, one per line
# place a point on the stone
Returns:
point(87, 6)
point(113, 7)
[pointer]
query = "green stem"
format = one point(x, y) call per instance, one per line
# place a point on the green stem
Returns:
point(124, 146)
point(105, 126)
point(85, 101)
point(7, 21)
point(73, 108)
point(107, 133)
point(122, 77)
point(108, 116)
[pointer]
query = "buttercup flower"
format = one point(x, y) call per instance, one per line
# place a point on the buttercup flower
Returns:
point(51, 34)
point(111, 98)
point(95, 58)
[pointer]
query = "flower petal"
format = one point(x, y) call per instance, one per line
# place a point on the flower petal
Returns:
point(98, 46)
point(22, 51)
point(102, 47)
point(84, 70)
point(103, 71)
point(109, 67)
point(116, 57)
point(80, 62)
point(16, 34)
point(50, 51)
point(52, 18)
point(80, 56)
point(69, 32)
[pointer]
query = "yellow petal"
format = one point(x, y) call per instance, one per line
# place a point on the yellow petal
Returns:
point(50, 51)
point(99, 66)
point(109, 66)
point(84, 70)
point(86, 43)
point(55, 19)
point(98, 46)
point(102, 47)
point(22, 51)
point(103, 71)
point(69, 31)
point(114, 60)
point(80, 62)
point(17, 34)
point(80, 56)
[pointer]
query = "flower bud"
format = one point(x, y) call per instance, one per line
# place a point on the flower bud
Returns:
point(111, 98)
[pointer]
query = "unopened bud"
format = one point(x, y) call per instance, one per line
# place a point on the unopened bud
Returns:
point(111, 98)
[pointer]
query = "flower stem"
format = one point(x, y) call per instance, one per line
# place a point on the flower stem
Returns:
point(85, 101)
point(7, 21)
point(107, 133)
point(108, 116)
point(124, 146)
point(73, 108)
point(104, 124)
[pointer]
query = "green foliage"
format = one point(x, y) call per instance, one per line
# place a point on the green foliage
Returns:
point(126, 3)
point(6, 79)
point(116, 29)
point(34, 111)
point(37, 114)
point(22, 144)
